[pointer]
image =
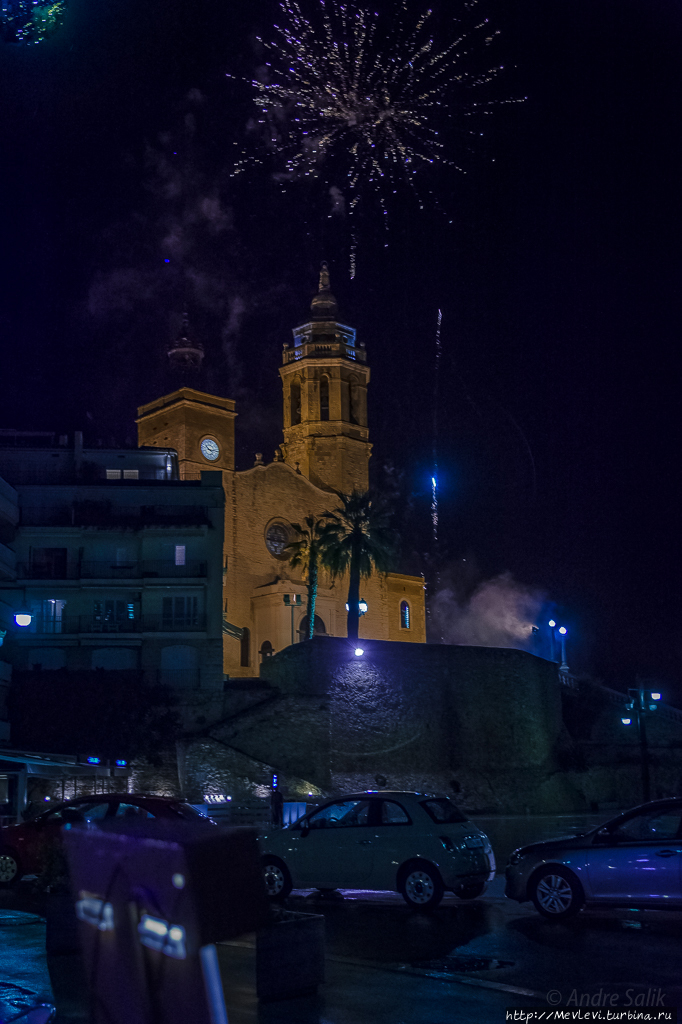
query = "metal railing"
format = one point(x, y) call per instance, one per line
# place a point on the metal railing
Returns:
point(324, 349)
point(168, 569)
point(89, 569)
point(107, 514)
point(141, 624)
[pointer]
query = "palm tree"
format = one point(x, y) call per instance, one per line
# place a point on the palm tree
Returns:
point(357, 537)
point(306, 552)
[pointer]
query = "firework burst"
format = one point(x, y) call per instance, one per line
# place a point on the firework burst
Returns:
point(362, 101)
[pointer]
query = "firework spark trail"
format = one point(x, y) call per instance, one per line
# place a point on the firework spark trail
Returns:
point(356, 99)
point(434, 478)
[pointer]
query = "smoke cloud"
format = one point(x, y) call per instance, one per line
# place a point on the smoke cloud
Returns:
point(498, 613)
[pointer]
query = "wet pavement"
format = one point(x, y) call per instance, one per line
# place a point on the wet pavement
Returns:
point(466, 961)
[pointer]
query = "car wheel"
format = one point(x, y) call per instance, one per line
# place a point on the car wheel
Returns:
point(470, 892)
point(557, 895)
point(421, 886)
point(10, 872)
point(277, 879)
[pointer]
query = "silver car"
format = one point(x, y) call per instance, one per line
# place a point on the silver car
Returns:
point(634, 860)
point(414, 843)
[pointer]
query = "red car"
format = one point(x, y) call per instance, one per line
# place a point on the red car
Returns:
point(23, 847)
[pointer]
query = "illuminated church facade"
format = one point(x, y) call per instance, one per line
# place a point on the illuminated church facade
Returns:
point(325, 450)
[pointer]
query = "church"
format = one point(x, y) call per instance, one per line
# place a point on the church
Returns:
point(325, 451)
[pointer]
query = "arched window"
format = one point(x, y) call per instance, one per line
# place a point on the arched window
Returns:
point(265, 650)
point(324, 398)
point(404, 615)
point(245, 652)
point(295, 402)
point(320, 628)
point(354, 403)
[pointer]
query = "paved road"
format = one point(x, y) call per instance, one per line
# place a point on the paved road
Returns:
point(497, 942)
point(387, 964)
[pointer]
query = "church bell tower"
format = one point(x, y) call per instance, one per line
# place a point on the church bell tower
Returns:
point(324, 378)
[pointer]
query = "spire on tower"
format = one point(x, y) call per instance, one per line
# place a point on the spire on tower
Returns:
point(183, 353)
point(324, 306)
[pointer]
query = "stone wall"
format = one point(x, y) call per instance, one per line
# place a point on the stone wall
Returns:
point(492, 727)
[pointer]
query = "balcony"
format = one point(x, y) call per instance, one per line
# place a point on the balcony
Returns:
point(167, 624)
point(169, 570)
point(106, 570)
point(324, 349)
point(106, 515)
point(70, 624)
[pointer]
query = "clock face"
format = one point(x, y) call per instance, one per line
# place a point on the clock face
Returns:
point(209, 449)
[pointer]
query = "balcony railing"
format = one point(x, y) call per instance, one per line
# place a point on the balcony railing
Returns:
point(106, 514)
point(103, 570)
point(323, 350)
point(170, 570)
point(71, 624)
point(166, 624)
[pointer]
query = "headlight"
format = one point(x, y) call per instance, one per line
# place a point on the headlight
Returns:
point(516, 856)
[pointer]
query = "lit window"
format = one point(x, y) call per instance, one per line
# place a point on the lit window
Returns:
point(113, 474)
point(131, 474)
point(179, 554)
point(404, 615)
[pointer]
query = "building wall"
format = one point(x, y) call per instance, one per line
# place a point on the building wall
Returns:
point(97, 567)
point(256, 580)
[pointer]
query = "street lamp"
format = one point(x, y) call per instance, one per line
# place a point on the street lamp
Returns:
point(563, 667)
point(23, 617)
point(642, 702)
point(563, 633)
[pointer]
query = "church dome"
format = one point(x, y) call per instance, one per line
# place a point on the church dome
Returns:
point(324, 306)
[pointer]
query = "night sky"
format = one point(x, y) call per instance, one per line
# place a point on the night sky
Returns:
point(558, 415)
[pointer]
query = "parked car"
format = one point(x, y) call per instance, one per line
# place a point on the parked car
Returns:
point(634, 860)
point(23, 847)
point(417, 844)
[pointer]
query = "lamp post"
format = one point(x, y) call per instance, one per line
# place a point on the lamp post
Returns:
point(563, 667)
point(642, 702)
point(563, 633)
point(292, 601)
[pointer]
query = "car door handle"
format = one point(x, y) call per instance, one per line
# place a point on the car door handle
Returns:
point(364, 842)
point(666, 853)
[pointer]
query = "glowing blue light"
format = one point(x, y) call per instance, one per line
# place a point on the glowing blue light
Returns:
point(551, 623)
point(655, 696)
point(359, 652)
point(94, 760)
point(23, 618)
point(166, 261)
point(626, 721)
point(433, 482)
point(121, 764)
point(563, 630)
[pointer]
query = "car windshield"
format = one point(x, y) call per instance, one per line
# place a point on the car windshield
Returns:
point(443, 811)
